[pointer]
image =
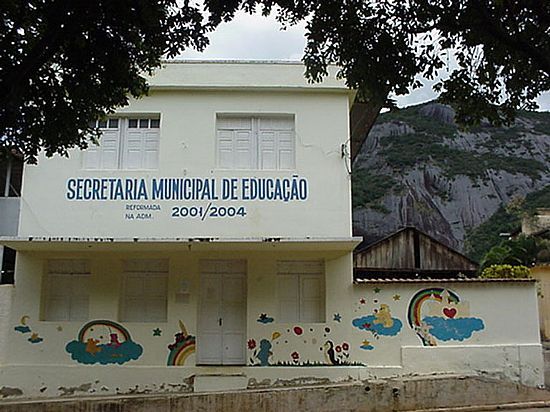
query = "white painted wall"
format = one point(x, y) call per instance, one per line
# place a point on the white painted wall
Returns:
point(187, 149)
point(6, 296)
point(508, 345)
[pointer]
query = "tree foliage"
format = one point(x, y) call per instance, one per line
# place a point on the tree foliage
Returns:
point(521, 251)
point(65, 63)
point(501, 47)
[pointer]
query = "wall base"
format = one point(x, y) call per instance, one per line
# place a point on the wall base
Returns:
point(369, 396)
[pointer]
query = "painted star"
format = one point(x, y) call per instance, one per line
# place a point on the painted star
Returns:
point(362, 301)
point(157, 332)
point(366, 343)
point(377, 290)
point(337, 317)
point(396, 297)
point(59, 328)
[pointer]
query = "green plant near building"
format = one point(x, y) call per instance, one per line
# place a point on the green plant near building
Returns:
point(506, 272)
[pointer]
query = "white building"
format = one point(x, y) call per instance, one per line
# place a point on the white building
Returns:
point(209, 236)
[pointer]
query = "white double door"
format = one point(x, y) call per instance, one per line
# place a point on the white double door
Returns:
point(222, 313)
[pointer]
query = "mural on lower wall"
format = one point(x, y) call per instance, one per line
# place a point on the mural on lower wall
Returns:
point(261, 352)
point(263, 318)
point(380, 323)
point(24, 328)
point(439, 314)
point(104, 342)
point(182, 348)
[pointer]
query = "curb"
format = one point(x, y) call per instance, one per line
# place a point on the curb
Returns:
point(499, 407)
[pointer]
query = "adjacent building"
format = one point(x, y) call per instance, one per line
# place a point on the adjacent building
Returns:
point(409, 253)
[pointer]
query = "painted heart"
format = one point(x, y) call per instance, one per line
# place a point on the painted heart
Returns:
point(449, 312)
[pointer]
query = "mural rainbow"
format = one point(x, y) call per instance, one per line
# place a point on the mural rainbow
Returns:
point(104, 342)
point(182, 348)
point(113, 327)
point(446, 317)
point(417, 300)
point(415, 306)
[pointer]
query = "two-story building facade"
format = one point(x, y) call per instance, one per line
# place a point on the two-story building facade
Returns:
point(206, 243)
point(213, 208)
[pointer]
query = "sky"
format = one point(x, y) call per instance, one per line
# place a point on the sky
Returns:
point(254, 37)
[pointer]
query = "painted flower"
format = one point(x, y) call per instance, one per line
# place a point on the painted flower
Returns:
point(345, 346)
point(295, 356)
point(338, 348)
point(251, 344)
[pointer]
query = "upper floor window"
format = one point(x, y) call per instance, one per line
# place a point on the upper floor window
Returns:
point(255, 142)
point(125, 143)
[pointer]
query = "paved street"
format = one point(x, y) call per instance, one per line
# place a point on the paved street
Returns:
point(531, 410)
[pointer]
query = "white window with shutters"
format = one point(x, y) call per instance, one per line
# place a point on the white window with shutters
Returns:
point(144, 291)
point(65, 292)
point(301, 291)
point(255, 142)
point(125, 143)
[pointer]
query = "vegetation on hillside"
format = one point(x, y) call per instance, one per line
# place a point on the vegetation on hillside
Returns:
point(428, 145)
point(368, 188)
point(505, 220)
point(523, 251)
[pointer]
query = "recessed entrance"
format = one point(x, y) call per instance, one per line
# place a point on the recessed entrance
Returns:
point(222, 313)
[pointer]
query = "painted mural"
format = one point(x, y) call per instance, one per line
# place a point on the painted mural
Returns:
point(439, 314)
point(336, 354)
point(379, 323)
point(182, 348)
point(24, 328)
point(287, 348)
point(104, 342)
point(265, 319)
point(260, 352)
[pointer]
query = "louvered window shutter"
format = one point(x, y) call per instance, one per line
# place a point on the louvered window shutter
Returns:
point(276, 143)
point(109, 146)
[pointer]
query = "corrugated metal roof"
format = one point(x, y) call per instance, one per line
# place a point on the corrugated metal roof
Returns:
point(452, 280)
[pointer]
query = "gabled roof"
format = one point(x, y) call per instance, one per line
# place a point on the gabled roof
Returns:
point(415, 229)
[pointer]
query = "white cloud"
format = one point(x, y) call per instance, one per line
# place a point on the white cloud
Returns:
point(253, 37)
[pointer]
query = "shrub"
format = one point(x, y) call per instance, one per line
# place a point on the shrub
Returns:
point(506, 272)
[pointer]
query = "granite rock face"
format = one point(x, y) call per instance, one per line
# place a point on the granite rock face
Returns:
point(447, 181)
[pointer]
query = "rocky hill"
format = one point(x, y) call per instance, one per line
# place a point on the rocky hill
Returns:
point(417, 168)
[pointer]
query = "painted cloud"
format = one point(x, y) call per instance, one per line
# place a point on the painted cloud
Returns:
point(105, 354)
point(370, 323)
point(453, 329)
